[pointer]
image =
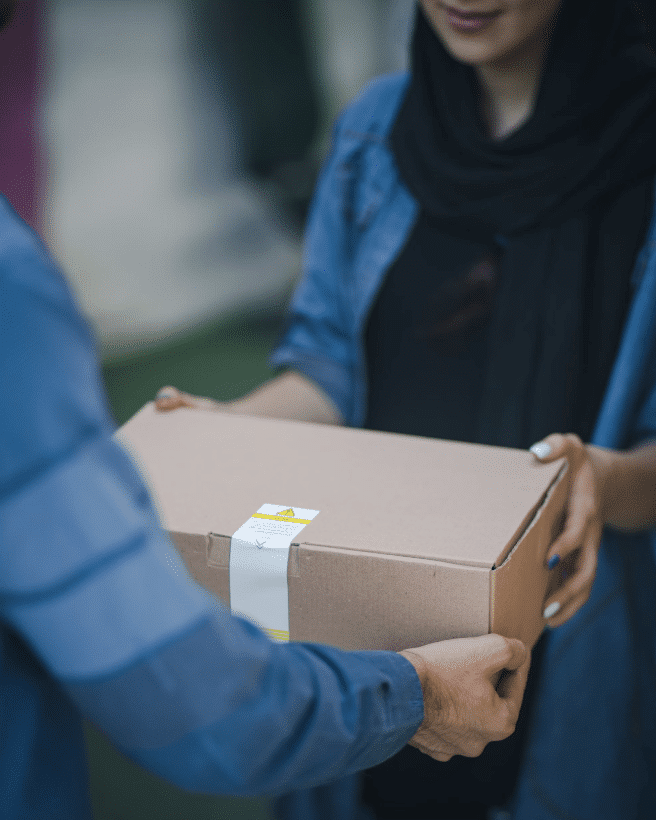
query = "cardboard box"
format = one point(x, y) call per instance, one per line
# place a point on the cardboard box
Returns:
point(415, 539)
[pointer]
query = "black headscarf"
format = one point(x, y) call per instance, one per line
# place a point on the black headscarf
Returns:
point(563, 203)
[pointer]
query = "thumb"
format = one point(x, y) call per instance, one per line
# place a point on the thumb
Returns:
point(509, 653)
point(511, 657)
point(518, 653)
point(550, 448)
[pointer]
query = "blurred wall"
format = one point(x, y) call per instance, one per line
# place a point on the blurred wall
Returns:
point(170, 183)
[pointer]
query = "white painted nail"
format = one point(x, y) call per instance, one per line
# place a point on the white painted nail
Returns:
point(165, 394)
point(551, 610)
point(541, 449)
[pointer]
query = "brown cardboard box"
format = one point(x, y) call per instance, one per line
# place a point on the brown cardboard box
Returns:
point(416, 539)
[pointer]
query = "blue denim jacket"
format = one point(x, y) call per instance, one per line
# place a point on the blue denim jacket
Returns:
point(593, 730)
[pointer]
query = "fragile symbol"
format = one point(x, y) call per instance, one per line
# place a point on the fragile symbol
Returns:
point(290, 512)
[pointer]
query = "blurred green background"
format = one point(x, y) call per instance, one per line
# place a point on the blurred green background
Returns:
point(223, 360)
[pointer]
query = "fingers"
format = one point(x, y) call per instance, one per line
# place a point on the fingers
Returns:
point(517, 653)
point(570, 597)
point(511, 691)
point(462, 710)
point(556, 446)
point(580, 516)
point(170, 398)
point(504, 653)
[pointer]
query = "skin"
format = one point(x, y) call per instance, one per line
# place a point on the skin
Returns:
point(470, 696)
point(608, 488)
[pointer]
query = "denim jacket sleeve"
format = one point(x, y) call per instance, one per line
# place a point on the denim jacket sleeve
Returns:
point(317, 339)
point(321, 339)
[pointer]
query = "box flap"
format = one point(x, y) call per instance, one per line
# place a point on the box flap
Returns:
point(376, 492)
point(520, 615)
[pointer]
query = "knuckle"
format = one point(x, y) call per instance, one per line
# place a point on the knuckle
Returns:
point(509, 726)
point(567, 543)
point(474, 749)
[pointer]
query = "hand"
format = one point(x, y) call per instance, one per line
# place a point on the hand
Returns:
point(170, 398)
point(469, 697)
point(575, 550)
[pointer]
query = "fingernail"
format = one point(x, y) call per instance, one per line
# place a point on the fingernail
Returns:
point(554, 561)
point(541, 449)
point(551, 610)
point(164, 394)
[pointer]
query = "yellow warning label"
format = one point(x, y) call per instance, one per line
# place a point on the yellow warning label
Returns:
point(288, 512)
point(282, 518)
point(277, 634)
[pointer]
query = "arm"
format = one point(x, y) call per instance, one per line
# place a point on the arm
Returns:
point(608, 488)
point(288, 396)
point(627, 482)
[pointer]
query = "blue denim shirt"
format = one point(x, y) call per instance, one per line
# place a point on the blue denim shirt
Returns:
point(594, 724)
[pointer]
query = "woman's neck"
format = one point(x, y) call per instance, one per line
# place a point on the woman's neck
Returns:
point(510, 89)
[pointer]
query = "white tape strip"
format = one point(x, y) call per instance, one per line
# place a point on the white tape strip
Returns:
point(259, 554)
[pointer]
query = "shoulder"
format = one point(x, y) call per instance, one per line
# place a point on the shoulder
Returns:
point(27, 271)
point(372, 113)
point(360, 175)
point(50, 393)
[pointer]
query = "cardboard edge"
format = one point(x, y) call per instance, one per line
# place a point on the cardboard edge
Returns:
point(529, 519)
point(537, 512)
point(398, 555)
point(521, 617)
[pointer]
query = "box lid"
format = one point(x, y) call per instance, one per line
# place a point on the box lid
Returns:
point(376, 492)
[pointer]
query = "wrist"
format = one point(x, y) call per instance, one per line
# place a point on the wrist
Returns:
point(608, 467)
point(419, 666)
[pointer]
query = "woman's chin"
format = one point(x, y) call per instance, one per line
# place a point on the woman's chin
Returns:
point(472, 53)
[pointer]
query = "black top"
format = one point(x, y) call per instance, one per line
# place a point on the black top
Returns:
point(426, 338)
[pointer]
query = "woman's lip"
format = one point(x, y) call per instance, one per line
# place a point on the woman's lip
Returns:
point(469, 21)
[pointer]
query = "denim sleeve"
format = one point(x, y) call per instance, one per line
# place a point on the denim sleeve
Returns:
point(222, 709)
point(318, 340)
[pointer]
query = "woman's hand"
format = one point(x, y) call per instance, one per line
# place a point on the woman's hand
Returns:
point(170, 398)
point(574, 552)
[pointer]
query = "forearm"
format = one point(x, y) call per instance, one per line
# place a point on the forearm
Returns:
point(225, 711)
point(627, 481)
point(288, 396)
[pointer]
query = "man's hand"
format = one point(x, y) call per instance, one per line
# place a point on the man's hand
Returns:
point(473, 688)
